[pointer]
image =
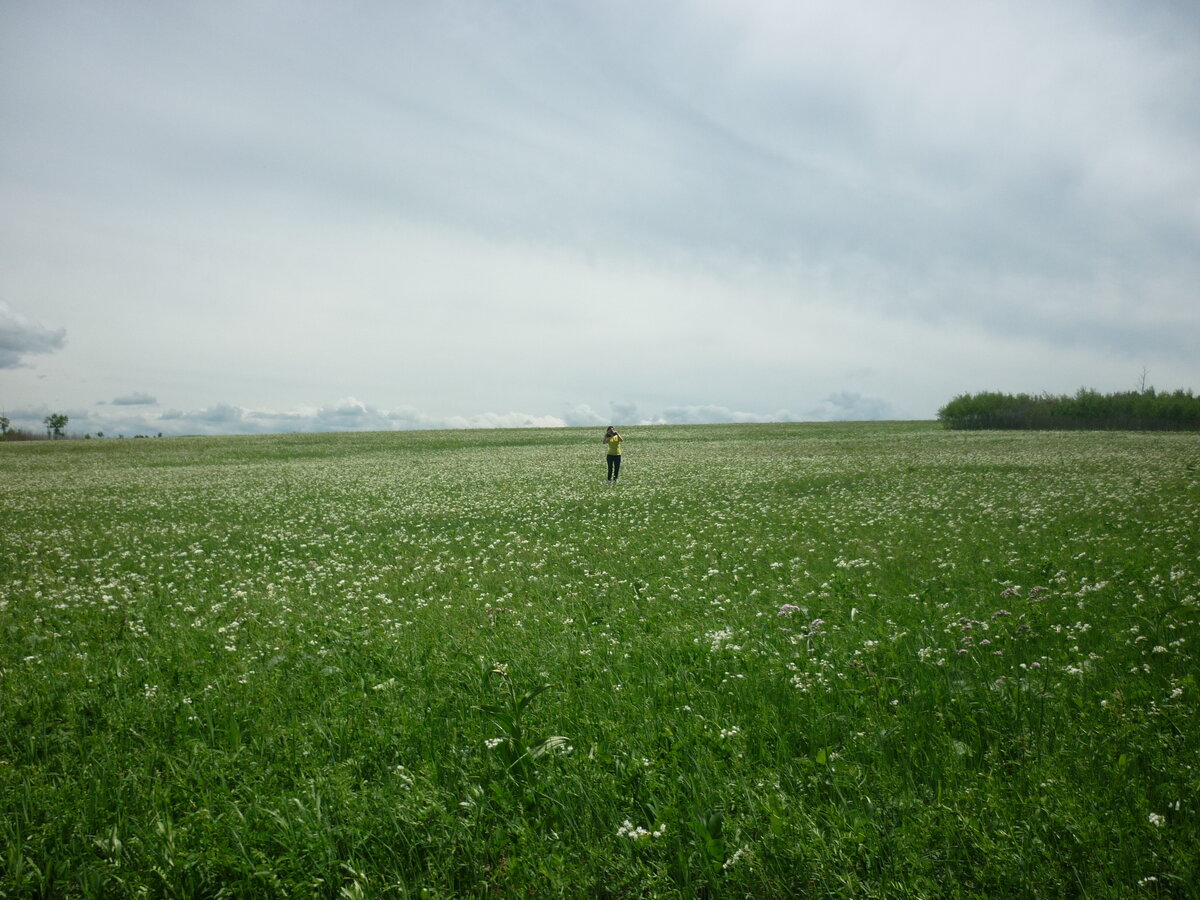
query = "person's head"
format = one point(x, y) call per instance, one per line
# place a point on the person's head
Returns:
point(611, 431)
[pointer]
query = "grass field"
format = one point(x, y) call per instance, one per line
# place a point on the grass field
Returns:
point(877, 660)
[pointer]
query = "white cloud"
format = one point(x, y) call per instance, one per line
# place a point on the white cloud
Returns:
point(709, 414)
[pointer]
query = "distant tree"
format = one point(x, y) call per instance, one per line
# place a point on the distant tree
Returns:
point(55, 423)
point(4, 423)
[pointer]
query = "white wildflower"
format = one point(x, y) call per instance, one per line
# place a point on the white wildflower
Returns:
point(738, 855)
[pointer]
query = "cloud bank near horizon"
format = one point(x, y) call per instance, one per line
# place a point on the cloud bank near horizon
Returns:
point(351, 414)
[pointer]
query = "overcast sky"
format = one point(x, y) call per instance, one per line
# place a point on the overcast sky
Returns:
point(290, 216)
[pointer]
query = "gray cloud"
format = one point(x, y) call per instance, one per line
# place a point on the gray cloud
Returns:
point(848, 406)
point(350, 415)
point(477, 206)
point(137, 398)
point(582, 416)
point(21, 337)
point(219, 414)
point(624, 412)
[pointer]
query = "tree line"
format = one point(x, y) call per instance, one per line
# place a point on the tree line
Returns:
point(56, 428)
point(1142, 410)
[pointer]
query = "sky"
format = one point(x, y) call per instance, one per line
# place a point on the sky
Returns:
point(269, 216)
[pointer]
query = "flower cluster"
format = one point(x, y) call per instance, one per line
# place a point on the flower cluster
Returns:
point(637, 833)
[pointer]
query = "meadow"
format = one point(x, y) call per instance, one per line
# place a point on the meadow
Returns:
point(776, 661)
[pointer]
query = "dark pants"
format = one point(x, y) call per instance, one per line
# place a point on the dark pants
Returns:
point(614, 467)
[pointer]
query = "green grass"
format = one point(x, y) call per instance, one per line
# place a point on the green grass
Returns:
point(878, 660)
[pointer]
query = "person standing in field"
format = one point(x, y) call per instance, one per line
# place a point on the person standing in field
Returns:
point(612, 440)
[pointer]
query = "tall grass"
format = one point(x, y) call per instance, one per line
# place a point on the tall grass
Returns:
point(775, 661)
